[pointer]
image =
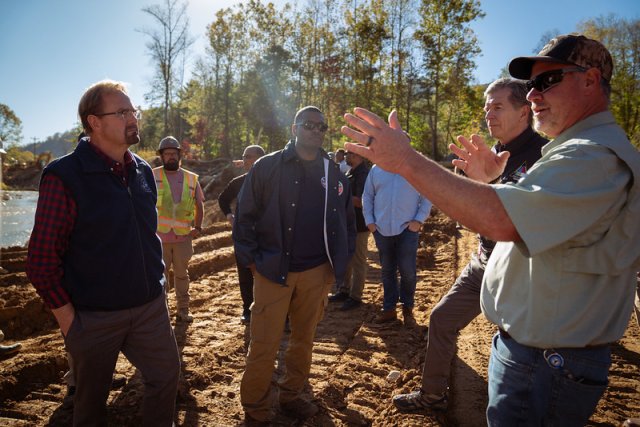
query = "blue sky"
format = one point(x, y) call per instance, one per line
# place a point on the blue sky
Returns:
point(51, 50)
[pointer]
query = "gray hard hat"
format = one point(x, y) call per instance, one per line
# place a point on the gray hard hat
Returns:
point(168, 142)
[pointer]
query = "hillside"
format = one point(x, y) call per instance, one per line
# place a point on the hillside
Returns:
point(57, 144)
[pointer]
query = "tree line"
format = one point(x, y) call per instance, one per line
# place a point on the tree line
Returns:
point(264, 62)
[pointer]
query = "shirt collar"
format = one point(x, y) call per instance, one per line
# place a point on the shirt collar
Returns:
point(289, 152)
point(114, 166)
point(598, 119)
point(517, 144)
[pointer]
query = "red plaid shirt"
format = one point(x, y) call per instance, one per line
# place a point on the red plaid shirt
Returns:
point(55, 217)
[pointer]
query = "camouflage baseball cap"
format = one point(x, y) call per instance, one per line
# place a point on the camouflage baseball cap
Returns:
point(567, 49)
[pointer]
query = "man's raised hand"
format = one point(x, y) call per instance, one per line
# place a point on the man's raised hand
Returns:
point(386, 145)
point(477, 160)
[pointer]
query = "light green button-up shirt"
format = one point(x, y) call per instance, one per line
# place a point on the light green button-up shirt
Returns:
point(571, 281)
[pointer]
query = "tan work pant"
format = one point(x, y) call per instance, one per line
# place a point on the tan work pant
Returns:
point(353, 283)
point(303, 299)
point(178, 255)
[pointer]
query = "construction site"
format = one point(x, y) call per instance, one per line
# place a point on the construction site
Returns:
point(358, 365)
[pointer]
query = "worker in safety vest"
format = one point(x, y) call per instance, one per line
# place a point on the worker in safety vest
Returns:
point(180, 211)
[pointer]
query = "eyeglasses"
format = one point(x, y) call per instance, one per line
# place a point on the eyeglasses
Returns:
point(547, 80)
point(310, 126)
point(122, 114)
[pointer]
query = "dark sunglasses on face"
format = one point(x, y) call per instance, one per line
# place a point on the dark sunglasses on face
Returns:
point(548, 79)
point(311, 126)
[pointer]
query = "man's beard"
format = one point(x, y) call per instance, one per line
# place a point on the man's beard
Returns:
point(171, 165)
point(132, 138)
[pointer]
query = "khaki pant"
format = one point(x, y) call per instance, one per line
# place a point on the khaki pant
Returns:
point(357, 269)
point(453, 313)
point(303, 299)
point(178, 255)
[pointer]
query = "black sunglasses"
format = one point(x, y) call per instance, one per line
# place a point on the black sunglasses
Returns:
point(548, 79)
point(310, 126)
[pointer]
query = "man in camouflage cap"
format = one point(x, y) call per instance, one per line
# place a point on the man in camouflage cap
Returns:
point(560, 282)
point(570, 50)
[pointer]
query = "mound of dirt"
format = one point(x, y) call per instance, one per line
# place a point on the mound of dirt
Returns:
point(352, 360)
point(22, 177)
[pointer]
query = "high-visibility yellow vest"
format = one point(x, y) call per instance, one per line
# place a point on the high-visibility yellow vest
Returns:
point(178, 217)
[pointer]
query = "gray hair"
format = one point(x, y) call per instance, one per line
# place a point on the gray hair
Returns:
point(517, 92)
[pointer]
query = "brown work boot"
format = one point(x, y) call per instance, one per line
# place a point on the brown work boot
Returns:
point(407, 316)
point(299, 408)
point(386, 316)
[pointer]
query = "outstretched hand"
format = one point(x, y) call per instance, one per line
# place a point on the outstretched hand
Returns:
point(386, 145)
point(476, 159)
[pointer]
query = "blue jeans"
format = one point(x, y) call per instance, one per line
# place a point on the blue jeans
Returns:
point(398, 253)
point(525, 390)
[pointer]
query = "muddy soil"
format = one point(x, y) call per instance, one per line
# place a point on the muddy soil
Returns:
point(352, 355)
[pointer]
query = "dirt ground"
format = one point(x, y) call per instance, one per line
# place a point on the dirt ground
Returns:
point(352, 355)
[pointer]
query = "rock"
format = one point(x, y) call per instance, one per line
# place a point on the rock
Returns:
point(393, 376)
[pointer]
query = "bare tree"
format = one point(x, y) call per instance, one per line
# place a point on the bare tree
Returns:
point(168, 47)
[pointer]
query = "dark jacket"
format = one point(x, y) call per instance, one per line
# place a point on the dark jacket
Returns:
point(114, 257)
point(230, 193)
point(266, 215)
point(357, 177)
point(524, 151)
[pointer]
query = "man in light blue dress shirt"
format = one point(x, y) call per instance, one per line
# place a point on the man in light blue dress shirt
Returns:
point(394, 212)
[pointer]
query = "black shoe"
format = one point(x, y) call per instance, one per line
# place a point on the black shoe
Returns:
point(340, 296)
point(418, 401)
point(67, 401)
point(245, 319)
point(6, 350)
point(118, 381)
point(350, 304)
